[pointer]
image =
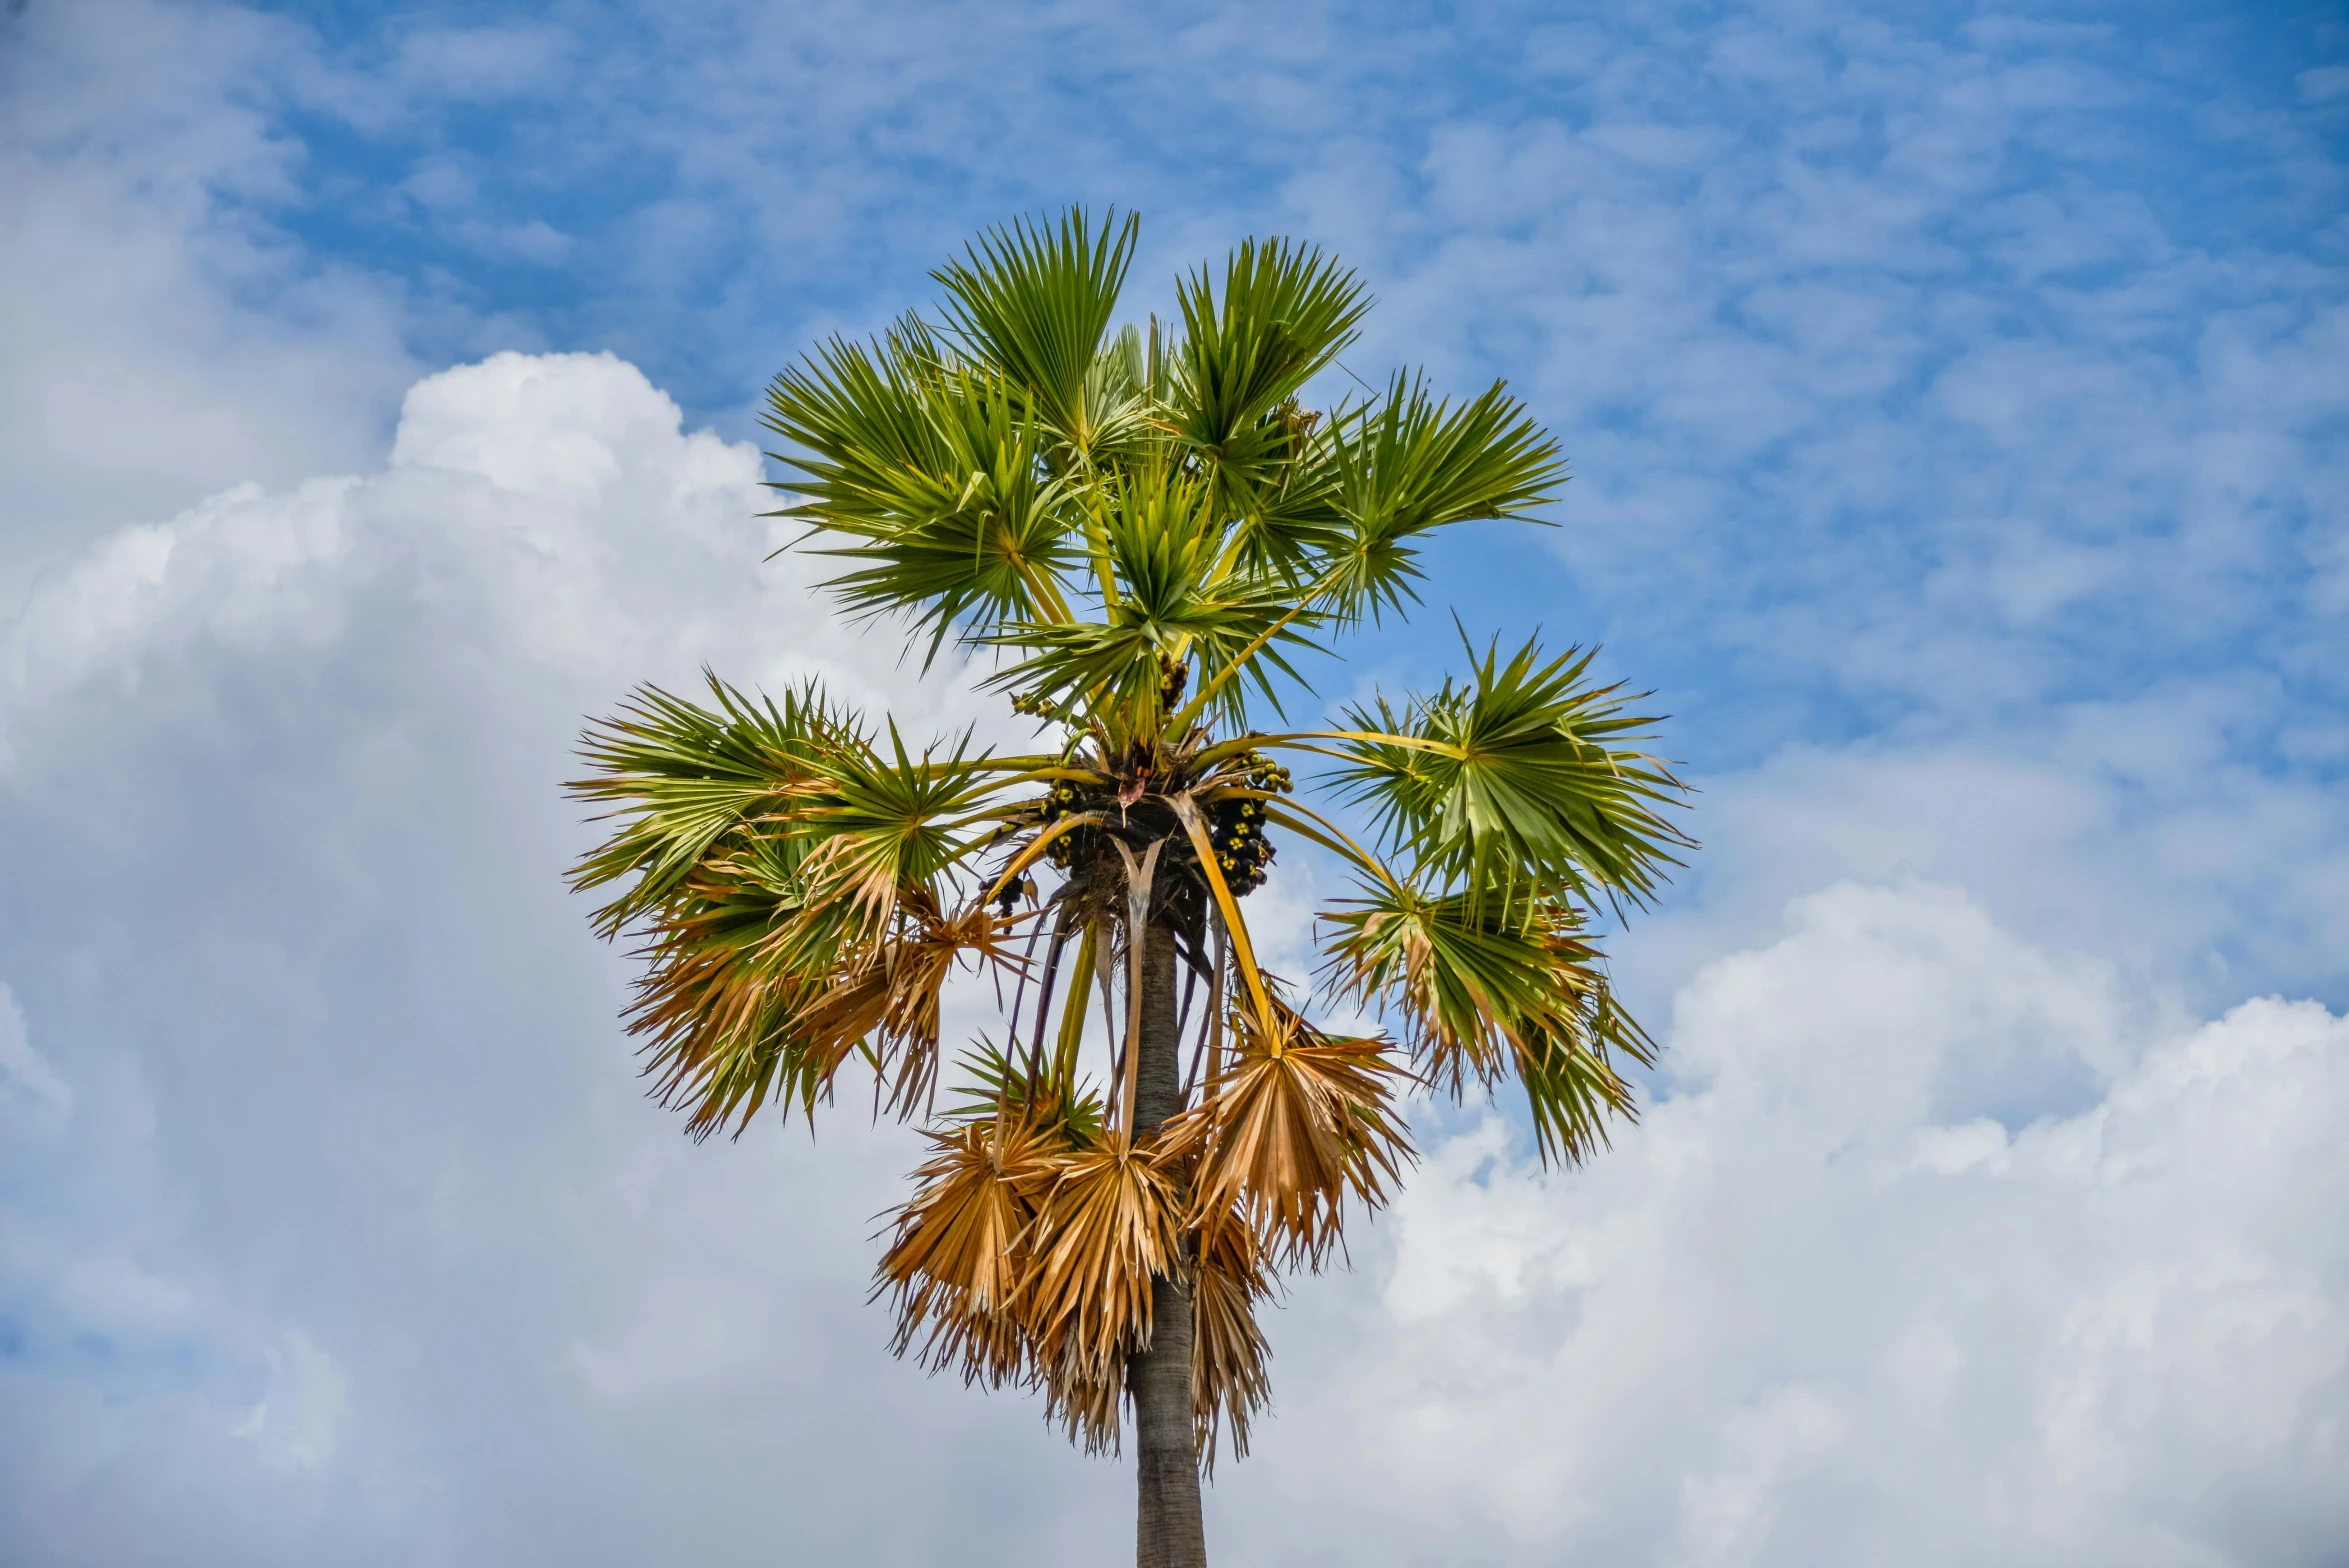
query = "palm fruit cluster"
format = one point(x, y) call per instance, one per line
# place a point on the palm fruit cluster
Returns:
point(1236, 826)
point(1007, 902)
point(1057, 804)
point(1174, 677)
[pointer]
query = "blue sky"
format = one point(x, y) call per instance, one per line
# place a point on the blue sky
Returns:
point(1897, 225)
point(1957, 417)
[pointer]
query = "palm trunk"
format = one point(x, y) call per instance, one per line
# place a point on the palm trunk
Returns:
point(1169, 1532)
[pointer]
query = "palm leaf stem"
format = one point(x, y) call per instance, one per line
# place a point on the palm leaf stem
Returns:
point(1044, 991)
point(1307, 823)
point(1139, 875)
point(1097, 546)
point(1188, 812)
point(1047, 594)
point(1210, 1027)
point(1037, 845)
point(1105, 975)
point(1183, 1017)
point(1019, 994)
point(1072, 1017)
point(1191, 710)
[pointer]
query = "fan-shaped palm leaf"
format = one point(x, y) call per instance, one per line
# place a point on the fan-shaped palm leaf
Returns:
point(1517, 775)
point(960, 1260)
point(1412, 464)
point(1485, 986)
point(876, 823)
point(1298, 1122)
point(1282, 314)
point(1162, 548)
point(1109, 1224)
point(1033, 302)
point(686, 776)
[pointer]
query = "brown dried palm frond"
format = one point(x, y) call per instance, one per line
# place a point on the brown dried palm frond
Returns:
point(891, 994)
point(960, 1260)
point(1086, 1400)
point(1110, 1223)
point(714, 1001)
point(1230, 1382)
point(1298, 1121)
point(749, 993)
point(716, 1043)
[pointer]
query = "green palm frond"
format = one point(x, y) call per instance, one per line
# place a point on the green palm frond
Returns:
point(1455, 968)
point(1122, 415)
point(1033, 301)
point(957, 524)
point(786, 874)
point(1487, 986)
point(1052, 1100)
point(860, 415)
point(1162, 549)
point(1573, 1090)
point(1283, 313)
point(1413, 463)
point(876, 823)
point(1517, 776)
point(684, 777)
point(1287, 525)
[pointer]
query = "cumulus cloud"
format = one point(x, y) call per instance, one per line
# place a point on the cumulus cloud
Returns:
point(2154, 830)
point(334, 1233)
point(331, 1227)
point(1834, 1303)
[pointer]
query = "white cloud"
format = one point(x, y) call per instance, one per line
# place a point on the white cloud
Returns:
point(356, 1174)
point(165, 338)
point(298, 1420)
point(1816, 1310)
point(29, 1086)
point(1944, 1236)
point(2154, 831)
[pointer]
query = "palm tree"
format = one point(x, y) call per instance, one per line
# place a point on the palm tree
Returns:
point(1144, 532)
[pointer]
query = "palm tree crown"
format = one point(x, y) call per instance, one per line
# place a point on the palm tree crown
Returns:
point(1145, 531)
